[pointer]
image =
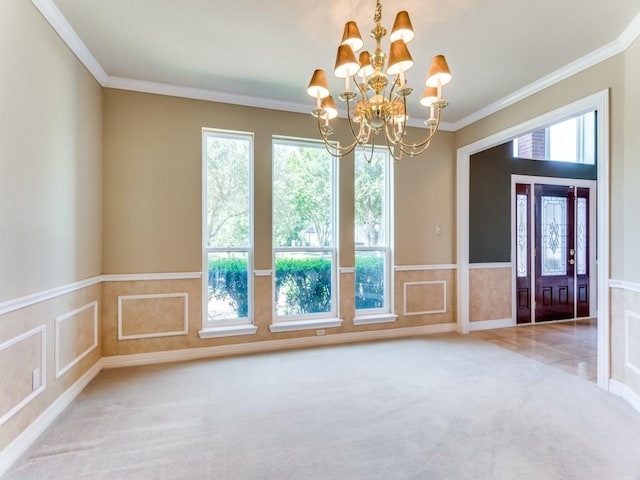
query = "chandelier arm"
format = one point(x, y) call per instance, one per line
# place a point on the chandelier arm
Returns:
point(391, 137)
point(353, 132)
point(391, 148)
point(393, 87)
point(364, 150)
point(424, 143)
point(335, 150)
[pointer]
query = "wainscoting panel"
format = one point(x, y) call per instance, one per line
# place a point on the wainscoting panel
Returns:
point(153, 315)
point(76, 336)
point(425, 298)
point(23, 371)
point(632, 345)
point(490, 295)
point(625, 335)
point(425, 295)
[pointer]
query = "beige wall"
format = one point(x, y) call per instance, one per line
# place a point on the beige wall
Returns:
point(50, 158)
point(152, 213)
point(50, 215)
point(625, 303)
point(152, 184)
point(630, 193)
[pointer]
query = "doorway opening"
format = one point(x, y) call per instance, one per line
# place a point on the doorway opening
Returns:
point(598, 102)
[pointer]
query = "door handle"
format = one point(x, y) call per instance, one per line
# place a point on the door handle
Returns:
point(572, 252)
point(572, 261)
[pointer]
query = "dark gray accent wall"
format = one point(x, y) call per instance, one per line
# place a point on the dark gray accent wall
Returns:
point(490, 197)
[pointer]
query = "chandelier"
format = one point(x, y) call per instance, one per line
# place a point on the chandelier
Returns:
point(380, 103)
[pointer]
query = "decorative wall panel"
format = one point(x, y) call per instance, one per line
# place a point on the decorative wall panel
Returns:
point(76, 335)
point(153, 315)
point(23, 372)
point(425, 298)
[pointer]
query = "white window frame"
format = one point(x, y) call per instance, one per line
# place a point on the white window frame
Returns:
point(312, 320)
point(229, 326)
point(380, 315)
point(580, 138)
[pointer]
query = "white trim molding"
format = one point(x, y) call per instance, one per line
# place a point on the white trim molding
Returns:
point(417, 268)
point(62, 370)
point(491, 324)
point(311, 324)
point(624, 41)
point(42, 330)
point(22, 442)
point(347, 270)
point(621, 390)
point(628, 316)
point(228, 331)
point(623, 285)
point(374, 319)
point(143, 277)
point(26, 301)
point(496, 265)
point(426, 312)
point(60, 24)
point(184, 331)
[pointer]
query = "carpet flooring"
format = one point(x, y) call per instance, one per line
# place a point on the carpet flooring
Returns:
point(439, 407)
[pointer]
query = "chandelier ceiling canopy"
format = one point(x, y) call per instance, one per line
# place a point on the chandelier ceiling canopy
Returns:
point(379, 104)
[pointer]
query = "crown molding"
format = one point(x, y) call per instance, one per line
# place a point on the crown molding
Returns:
point(60, 24)
point(202, 94)
point(601, 54)
point(630, 33)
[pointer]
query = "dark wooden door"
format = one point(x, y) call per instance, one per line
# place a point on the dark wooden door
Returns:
point(555, 252)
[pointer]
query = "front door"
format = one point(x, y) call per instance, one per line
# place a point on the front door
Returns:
point(555, 252)
point(557, 287)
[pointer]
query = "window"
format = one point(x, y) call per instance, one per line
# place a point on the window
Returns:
point(304, 206)
point(372, 212)
point(228, 237)
point(572, 140)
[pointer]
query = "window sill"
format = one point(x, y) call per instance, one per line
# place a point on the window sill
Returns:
point(227, 331)
point(372, 319)
point(295, 325)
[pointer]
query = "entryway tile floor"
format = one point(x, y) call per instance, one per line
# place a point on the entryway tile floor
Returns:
point(571, 346)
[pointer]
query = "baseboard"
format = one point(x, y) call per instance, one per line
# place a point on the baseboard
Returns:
point(22, 442)
point(628, 395)
point(118, 361)
point(491, 324)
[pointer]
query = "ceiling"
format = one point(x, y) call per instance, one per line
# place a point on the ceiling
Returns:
point(263, 53)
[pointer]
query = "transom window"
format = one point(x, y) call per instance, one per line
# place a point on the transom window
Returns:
point(228, 236)
point(304, 232)
point(572, 140)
